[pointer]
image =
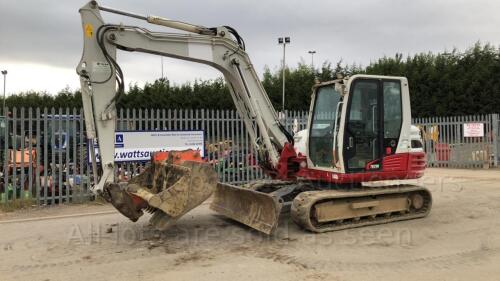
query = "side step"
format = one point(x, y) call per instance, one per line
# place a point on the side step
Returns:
point(330, 210)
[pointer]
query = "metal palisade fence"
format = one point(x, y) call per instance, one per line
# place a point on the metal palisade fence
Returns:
point(43, 156)
point(44, 151)
point(461, 141)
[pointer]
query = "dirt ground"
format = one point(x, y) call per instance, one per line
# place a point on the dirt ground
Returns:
point(460, 240)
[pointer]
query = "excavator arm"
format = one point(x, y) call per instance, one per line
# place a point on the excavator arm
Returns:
point(219, 47)
point(169, 189)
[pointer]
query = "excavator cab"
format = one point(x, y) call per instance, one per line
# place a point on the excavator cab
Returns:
point(355, 123)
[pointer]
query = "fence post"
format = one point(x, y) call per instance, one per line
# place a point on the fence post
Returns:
point(14, 154)
point(495, 121)
point(38, 142)
point(22, 162)
point(6, 156)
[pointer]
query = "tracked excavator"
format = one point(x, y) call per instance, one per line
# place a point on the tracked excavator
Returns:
point(344, 171)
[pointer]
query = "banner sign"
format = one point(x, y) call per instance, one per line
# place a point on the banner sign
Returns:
point(140, 145)
point(473, 129)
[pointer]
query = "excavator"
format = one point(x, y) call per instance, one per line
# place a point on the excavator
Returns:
point(348, 169)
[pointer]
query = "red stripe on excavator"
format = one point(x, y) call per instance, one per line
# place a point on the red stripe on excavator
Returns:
point(396, 166)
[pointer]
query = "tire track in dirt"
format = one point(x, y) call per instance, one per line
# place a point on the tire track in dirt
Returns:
point(275, 253)
point(465, 258)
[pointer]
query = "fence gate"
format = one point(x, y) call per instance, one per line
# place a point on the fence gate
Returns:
point(461, 141)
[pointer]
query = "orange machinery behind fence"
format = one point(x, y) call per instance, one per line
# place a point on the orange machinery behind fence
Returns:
point(178, 157)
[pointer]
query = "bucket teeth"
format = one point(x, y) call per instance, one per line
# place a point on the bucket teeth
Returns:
point(161, 221)
point(123, 202)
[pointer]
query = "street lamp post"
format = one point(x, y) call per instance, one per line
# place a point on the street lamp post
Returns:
point(283, 41)
point(4, 125)
point(4, 72)
point(312, 58)
point(162, 67)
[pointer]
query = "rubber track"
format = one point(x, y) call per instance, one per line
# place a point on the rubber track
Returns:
point(303, 204)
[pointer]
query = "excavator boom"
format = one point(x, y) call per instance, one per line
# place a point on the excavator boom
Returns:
point(171, 188)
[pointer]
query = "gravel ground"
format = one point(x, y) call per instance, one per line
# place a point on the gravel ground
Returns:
point(460, 240)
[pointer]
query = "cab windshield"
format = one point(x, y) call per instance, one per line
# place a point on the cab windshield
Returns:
point(322, 126)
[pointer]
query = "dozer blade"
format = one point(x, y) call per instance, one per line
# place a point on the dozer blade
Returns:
point(253, 208)
point(168, 190)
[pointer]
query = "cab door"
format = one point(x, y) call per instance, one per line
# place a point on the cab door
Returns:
point(363, 127)
point(373, 123)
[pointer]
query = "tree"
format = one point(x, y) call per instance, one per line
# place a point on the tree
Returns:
point(446, 83)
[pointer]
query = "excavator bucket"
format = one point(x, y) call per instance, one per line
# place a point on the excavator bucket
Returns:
point(166, 189)
point(253, 208)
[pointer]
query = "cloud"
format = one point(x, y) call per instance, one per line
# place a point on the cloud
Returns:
point(48, 32)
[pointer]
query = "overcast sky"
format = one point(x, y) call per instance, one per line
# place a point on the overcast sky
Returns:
point(41, 40)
